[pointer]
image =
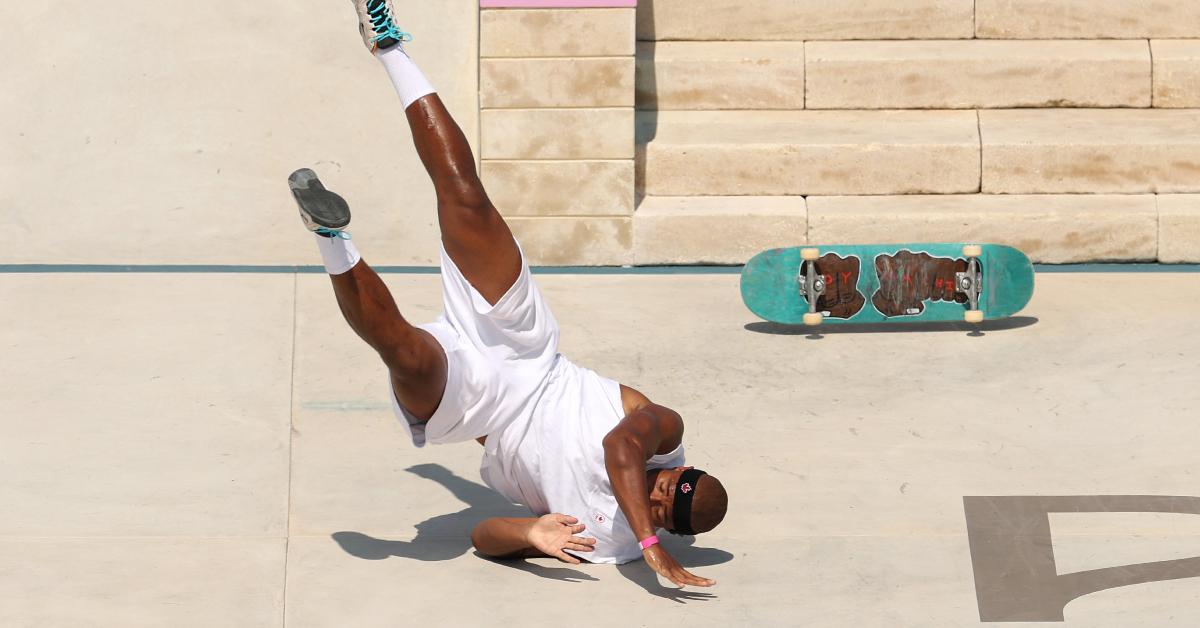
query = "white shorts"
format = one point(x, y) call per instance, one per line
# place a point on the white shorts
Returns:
point(497, 358)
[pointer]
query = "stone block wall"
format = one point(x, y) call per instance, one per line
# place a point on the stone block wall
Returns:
point(556, 94)
point(1069, 128)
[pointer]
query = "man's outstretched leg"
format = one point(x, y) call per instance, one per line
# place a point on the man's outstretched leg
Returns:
point(473, 232)
point(415, 360)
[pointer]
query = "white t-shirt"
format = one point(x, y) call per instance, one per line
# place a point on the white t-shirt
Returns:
point(554, 461)
point(545, 418)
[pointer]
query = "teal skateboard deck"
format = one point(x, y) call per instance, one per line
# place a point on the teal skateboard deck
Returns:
point(887, 283)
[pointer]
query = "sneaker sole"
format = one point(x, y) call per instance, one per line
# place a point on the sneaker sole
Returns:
point(319, 207)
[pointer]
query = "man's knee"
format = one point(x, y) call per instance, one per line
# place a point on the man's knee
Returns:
point(470, 222)
point(466, 197)
point(414, 357)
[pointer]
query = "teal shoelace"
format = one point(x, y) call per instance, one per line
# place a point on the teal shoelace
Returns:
point(332, 233)
point(384, 25)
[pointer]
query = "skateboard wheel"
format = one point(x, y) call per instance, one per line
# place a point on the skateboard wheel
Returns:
point(974, 316)
point(812, 320)
point(972, 250)
point(810, 255)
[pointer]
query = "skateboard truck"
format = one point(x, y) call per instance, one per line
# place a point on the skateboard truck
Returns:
point(812, 286)
point(970, 283)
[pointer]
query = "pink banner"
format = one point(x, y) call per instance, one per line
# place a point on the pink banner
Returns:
point(555, 4)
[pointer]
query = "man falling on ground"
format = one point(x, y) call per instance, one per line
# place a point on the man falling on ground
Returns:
point(601, 464)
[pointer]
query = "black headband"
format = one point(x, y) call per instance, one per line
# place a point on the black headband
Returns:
point(685, 490)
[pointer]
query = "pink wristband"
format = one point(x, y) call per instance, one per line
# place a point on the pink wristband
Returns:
point(649, 542)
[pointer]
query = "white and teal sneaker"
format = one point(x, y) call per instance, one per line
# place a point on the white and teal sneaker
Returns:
point(322, 211)
point(377, 24)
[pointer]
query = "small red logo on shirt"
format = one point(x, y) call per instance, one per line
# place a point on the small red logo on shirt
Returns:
point(686, 488)
point(599, 518)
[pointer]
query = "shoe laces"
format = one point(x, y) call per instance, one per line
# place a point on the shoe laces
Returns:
point(332, 233)
point(383, 23)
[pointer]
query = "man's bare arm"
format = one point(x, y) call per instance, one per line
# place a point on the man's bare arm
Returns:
point(548, 536)
point(627, 448)
point(502, 537)
point(648, 430)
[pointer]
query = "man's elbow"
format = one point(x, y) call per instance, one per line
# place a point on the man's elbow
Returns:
point(620, 448)
point(482, 539)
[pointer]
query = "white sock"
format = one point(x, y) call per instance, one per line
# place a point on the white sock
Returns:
point(339, 255)
point(406, 77)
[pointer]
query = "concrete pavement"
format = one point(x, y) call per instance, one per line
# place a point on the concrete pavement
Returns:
point(217, 450)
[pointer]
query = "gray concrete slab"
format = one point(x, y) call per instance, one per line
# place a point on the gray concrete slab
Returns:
point(142, 582)
point(144, 405)
point(847, 456)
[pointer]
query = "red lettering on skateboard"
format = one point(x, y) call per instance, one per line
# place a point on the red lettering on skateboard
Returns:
point(842, 298)
point(907, 280)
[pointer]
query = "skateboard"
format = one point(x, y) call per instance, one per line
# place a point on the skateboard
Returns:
point(887, 283)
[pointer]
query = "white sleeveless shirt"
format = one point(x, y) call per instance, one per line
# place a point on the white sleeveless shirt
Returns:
point(554, 461)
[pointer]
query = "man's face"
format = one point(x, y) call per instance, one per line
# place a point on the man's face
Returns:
point(662, 497)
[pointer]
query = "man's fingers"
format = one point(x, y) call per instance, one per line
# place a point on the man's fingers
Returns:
point(696, 581)
point(578, 547)
point(577, 529)
point(567, 519)
point(582, 541)
point(566, 558)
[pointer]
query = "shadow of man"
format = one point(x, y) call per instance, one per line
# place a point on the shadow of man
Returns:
point(444, 537)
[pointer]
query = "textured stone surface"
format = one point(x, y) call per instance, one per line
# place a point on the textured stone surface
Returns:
point(557, 133)
point(1176, 73)
point(560, 188)
point(126, 154)
point(143, 582)
point(556, 33)
point(186, 378)
point(799, 20)
point(1090, 151)
point(1087, 19)
point(775, 153)
point(1052, 229)
point(713, 229)
point(575, 241)
point(1179, 228)
point(977, 74)
point(720, 75)
point(566, 82)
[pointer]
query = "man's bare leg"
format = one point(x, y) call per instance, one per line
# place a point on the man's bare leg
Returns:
point(473, 232)
point(415, 360)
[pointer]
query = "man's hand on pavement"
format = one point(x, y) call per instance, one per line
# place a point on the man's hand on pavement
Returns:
point(553, 533)
point(667, 567)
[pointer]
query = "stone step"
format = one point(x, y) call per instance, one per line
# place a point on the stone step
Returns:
point(715, 229)
point(1178, 228)
point(1176, 73)
point(1048, 228)
point(720, 75)
point(800, 20)
point(575, 241)
point(556, 33)
point(1090, 151)
point(560, 82)
point(971, 74)
point(782, 153)
point(1087, 19)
